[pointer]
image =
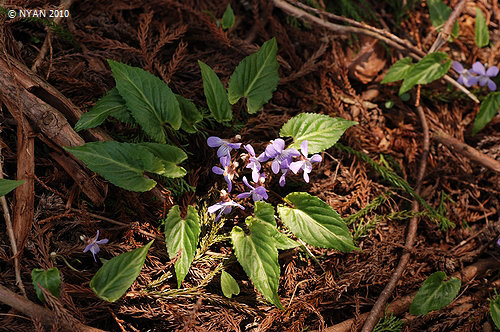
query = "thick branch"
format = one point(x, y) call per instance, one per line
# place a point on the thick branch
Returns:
point(40, 313)
point(467, 151)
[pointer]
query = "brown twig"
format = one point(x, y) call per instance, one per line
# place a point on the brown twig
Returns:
point(379, 306)
point(364, 29)
point(466, 150)
point(151, 235)
point(445, 33)
point(40, 313)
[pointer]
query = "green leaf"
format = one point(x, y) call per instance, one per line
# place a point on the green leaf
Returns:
point(170, 156)
point(190, 115)
point(481, 29)
point(48, 279)
point(439, 13)
point(256, 77)
point(430, 68)
point(489, 108)
point(111, 104)
point(321, 131)
point(148, 98)
point(228, 17)
point(216, 95)
point(182, 235)
point(398, 70)
point(114, 278)
point(258, 256)
point(6, 186)
point(315, 222)
point(229, 285)
point(495, 310)
point(435, 294)
point(122, 164)
point(264, 212)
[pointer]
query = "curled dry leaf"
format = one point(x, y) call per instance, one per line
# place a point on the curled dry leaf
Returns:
point(368, 62)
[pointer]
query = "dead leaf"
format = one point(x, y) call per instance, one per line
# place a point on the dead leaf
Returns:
point(368, 62)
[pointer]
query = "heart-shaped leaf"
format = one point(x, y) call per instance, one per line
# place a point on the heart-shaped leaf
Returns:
point(111, 104)
point(6, 186)
point(148, 98)
point(257, 254)
point(264, 212)
point(229, 285)
point(114, 278)
point(124, 164)
point(315, 222)
point(428, 69)
point(216, 95)
point(190, 115)
point(481, 30)
point(434, 294)
point(398, 71)
point(321, 131)
point(228, 17)
point(256, 77)
point(170, 156)
point(49, 279)
point(182, 235)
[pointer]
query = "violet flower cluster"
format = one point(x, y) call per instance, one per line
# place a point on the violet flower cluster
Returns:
point(283, 160)
point(478, 74)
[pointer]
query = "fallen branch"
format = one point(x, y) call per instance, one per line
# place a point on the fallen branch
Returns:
point(378, 308)
point(445, 33)
point(39, 313)
point(402, 305)
point(467, 151)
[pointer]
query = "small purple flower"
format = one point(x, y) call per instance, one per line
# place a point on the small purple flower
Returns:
point(258, 194)
point(229, 171)
point(225, 206)
point(224, 146)
point(93, 245)
point(304, 163)
point(277, 151)
point(498, 242)
point(466, 76)
point(254, 162)
point(485, 75)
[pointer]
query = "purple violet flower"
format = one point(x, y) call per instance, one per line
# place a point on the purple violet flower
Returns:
point(224, 146)
point(253, 162)
point(466, 76)
point(229, 171)
point(225, 206)
point(304, 163)
point(485, 75)
point(93, 245)
point(277, 151)
point(258, 194)
point(498, 242)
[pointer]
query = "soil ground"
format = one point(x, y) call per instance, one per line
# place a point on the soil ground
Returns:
point(321, 72)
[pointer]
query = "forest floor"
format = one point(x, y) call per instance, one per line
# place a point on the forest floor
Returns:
point(321, 71)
